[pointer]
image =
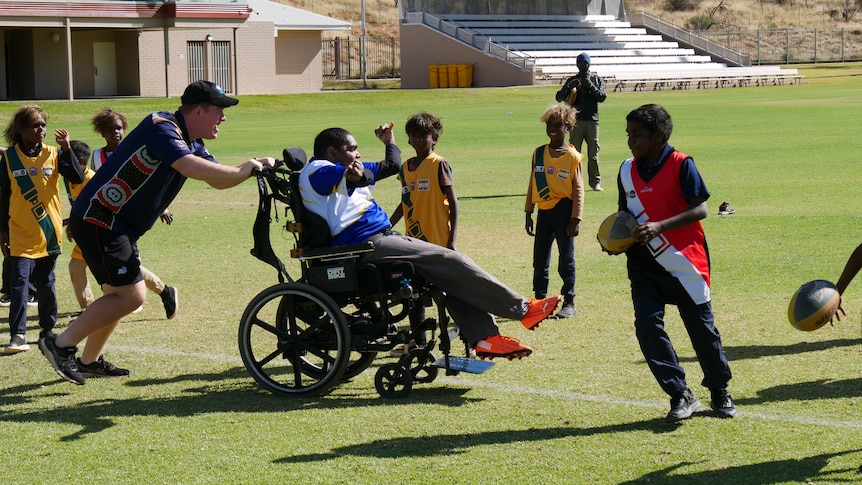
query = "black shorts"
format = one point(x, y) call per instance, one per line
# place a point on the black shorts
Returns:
point(112, 257)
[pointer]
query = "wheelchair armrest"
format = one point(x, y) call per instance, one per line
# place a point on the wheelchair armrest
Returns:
point(331, 252)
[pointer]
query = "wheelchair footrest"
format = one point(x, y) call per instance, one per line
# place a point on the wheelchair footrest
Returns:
point(463, 364)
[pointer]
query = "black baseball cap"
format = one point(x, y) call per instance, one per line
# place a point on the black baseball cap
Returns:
point(206, 92)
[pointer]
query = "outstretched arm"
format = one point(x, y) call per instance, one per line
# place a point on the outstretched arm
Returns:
point(216, 175)
point(854, 264)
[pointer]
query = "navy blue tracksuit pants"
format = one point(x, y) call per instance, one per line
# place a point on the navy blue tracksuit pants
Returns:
point(650, 295)
point(551, 226)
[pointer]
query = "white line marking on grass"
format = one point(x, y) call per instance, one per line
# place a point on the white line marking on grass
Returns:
point(831, 423)
point(178, 353)
point(575, 396)
point(216, 202)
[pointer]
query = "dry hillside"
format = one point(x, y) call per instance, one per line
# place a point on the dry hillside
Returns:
point(381, 17)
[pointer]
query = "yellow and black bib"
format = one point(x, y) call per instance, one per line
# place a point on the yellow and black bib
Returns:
point(35, 222)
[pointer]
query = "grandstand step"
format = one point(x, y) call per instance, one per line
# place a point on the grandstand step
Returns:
point(558, 32)
point(596, 54)
point(624, 60)
point(571, 38)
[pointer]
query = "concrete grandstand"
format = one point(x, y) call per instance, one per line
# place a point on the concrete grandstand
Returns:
point(522, 42)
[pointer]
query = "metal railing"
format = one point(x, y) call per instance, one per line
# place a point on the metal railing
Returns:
point(477, 41)
point(787, 46)
point(690, 39)
point(342, 58)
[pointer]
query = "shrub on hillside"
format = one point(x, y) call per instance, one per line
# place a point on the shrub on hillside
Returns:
point(682, 5)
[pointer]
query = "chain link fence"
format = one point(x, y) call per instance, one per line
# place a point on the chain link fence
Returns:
point(788, 46)
point(342, 58)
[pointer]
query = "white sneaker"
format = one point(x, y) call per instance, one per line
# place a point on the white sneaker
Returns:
point(138, 310)
point(16, 345)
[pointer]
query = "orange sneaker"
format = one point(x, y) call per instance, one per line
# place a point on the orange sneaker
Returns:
point(501, 346)
point(539, 310)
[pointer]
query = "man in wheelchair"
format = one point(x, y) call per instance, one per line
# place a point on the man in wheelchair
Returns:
point(336, 185)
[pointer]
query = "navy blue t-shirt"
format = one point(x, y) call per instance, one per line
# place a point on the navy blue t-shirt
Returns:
point(137, 183)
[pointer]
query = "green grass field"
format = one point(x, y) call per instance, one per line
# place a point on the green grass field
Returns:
point(583, 409)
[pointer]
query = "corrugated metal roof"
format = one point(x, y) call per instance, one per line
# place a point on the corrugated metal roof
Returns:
point(290, 18)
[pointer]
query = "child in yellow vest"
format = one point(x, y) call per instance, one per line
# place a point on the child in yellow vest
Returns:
point(557, 187)
point(428, 202)
point(30, 220)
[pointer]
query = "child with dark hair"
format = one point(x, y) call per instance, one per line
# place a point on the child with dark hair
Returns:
point(663, 189)
point(428, 200)
point(30, 220)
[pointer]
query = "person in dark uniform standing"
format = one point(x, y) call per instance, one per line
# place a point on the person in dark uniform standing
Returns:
point(584, 91)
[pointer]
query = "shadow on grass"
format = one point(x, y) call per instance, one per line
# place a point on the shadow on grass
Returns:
point(805, 470)
point(807, 391)
point(63, 321)
point(448, 444)
point(744, 352)
point(229, 391)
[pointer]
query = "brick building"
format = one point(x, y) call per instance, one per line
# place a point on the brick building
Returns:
point(58, 49)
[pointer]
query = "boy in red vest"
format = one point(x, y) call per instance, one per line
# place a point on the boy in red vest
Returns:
point(663, 189)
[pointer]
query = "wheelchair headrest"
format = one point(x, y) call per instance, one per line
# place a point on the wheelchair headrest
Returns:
point(294, 158)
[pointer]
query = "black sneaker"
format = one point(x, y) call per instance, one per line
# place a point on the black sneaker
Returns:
point(171, 301)
point(568, 310)
point(101, 368)
point(62, 359)
point(722, 404)
point(725, 209)
point(682, 406)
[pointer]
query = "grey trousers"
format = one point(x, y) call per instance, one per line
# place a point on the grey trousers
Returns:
point(473, 296)
point(586, 130)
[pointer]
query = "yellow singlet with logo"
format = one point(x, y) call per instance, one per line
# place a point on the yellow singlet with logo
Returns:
point(40, 178)
point(426, 208)
point(559, 174)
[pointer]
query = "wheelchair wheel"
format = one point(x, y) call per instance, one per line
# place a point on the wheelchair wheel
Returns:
point(294, 340)
point(421, 368)
point(358, 362)
point(393, 381)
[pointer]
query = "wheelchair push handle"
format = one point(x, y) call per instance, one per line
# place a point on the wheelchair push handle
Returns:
point(292, 160)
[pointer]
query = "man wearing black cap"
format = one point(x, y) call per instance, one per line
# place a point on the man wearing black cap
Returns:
point(585, 90)
point(122, 201)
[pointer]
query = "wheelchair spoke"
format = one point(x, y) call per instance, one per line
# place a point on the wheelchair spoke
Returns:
point(305, 328)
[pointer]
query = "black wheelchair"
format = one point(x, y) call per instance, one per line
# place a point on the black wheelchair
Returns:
point(301, 337)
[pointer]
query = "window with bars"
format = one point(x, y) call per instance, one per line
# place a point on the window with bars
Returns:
point(220, 55)
point(197, 61)
point(221, 64)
